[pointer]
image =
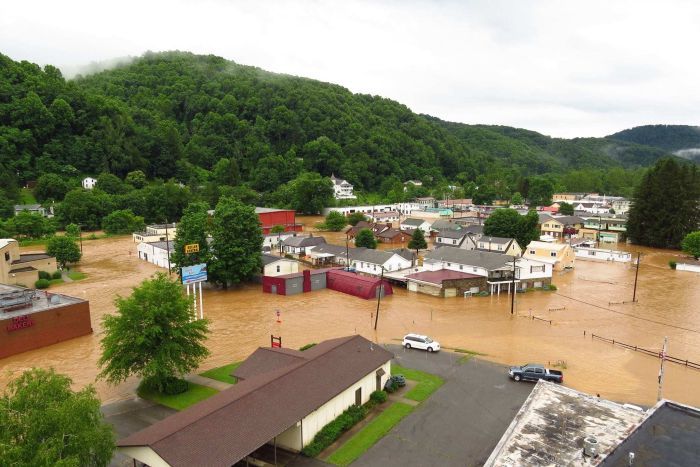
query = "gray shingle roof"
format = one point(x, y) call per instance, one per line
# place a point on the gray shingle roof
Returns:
point(496, 240)
point(456, 234)
point(444, 224)
point(413, 222)
point(303, 241)
point(489, 261)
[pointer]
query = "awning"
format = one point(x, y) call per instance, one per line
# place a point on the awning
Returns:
point(381, 372)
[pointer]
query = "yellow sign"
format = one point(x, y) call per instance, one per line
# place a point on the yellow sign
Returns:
point(192, 248)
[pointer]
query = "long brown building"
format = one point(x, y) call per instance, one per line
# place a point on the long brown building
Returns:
point(30, 319)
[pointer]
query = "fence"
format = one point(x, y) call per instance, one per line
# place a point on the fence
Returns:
point(542, 319)
point(653, 353)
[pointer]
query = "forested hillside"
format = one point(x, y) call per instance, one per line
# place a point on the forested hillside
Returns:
point(666, 137)
point(217, 127)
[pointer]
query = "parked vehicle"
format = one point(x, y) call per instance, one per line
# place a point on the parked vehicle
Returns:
point(418, 341)
point(534, 372)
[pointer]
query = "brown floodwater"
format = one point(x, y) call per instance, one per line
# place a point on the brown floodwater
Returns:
point(243, 319)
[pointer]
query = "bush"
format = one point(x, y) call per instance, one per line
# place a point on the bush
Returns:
point(391, 386)
point(334, 429)
point(672, 264)
point(56, 275)
point(42, 284)
point(44, 275)
point(173, 386)
point(378, 397)
point(307, 346)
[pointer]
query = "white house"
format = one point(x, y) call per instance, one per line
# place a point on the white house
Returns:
point(285, 397)
point(600, 254)
point(272, 242)
point(404, 208)
point(508, 246)
point(342, 189)
point(89, 183)
point(497, 268)
point(534, 273)
point(384, 216)
point(414, 223)
point(372, 261)
point(156, 233)
point(301, 246)
point(155, 252)
point(276, 266)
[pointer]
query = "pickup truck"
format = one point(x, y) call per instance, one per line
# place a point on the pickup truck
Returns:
point(533, 372)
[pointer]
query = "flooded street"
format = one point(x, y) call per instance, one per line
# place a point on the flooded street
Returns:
point(243, 319)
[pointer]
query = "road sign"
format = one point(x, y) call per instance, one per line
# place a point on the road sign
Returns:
point(195, 273)
point(192, 248)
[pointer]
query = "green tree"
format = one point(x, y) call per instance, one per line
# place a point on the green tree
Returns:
point(29, 225)
point(64, 249)
point(236, 243)
point(72, 231)
point(365, 238)
point(666, 206)
point(122, 221)
point(540, 191)
point(44, 422)
point(417, 241)
point(110, 184)
point(277, 229)
point(356, 217)
point(310, 193)
point(691, 244)
point(335, 221)
point(193, 228)
point(225, 172)
point(566, 208)
point(136, 178)
point(51, 187)
point(508, 223)
point(517, 199)
point(85, 207)
point(153, 335)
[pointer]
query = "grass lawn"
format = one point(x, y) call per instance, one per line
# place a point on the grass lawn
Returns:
point(26, 196)
point(194, 394)
point(370, 434)
point(223, 373)
point(77, 275)
point(56, 281)
point(427, 383)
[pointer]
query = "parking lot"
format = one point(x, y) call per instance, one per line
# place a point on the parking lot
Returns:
point(458, 425)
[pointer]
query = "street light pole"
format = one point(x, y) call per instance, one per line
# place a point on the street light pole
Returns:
point(347, 251)
point(636, 275)
point(167, 245)
point(80, 236)
point(512, 297)
point(379, 297)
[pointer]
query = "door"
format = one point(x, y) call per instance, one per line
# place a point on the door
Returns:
point(421, 343)
point(358, 396)
point(273, 289)
point(539, 373)
point(379, 383)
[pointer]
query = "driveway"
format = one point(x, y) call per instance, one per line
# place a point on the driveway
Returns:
point(459, 424)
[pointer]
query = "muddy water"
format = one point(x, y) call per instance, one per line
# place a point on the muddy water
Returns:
point(243, 319)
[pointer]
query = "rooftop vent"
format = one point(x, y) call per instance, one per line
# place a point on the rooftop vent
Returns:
point(590, 446)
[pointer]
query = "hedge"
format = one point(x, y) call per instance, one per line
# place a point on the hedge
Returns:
point(42, 284)
point(334, 429)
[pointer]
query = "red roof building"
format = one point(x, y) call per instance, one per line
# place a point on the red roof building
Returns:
point(357, 285)
point(270, 217)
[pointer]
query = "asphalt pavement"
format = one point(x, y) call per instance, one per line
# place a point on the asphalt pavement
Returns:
point(461, 423)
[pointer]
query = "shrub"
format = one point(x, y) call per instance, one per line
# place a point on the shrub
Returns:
point(378, 397)
point(56, 275)
point(44, 275)
point(42, 284)
point(672, 264)
point(391, 387)
point(334, 429)
point(307, 346)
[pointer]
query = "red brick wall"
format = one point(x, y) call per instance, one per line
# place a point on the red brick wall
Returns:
point(50, 326)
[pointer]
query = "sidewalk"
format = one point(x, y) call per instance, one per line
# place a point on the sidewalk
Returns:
point(204, 381)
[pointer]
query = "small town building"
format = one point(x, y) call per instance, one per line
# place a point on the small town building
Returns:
point(507, 246)
point(273, 242)
point(592, 207)
point(446, 283)
point(621, 205)
point(301, 246)
point(426, 202)
point(357, 285)
point(34, 209)
point(534, 273)
point(22, 268)
point(31, 319)
point(276, 266)
point(459, 204)
point(561, 253)
point(691, 265)
point(283, 399)
point(393, 236)
point(410, 224)
point(327, 254)
point(560, 227)
point(497, 268)
point(375, 261)
point(385, 217)
point(458, 238)
point(552, 424)
point(342, 189)
point(156, 233)
point(404, 208)
point(271, 217)
point(599, 254)
point(295, 283)
point(605, 229)
point(375, 227)
point(89, 183)
point(568, 197)
point(158, 253)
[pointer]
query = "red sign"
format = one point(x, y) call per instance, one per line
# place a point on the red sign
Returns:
point(20, 322)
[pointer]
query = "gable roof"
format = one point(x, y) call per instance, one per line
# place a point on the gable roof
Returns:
point(303, 241)
point(569, 219)
point(390, 233)
point(473, 229)
point(266, 359)
point(487, 260)
point(444, 224)
point(456, 234)
point(223, 429)
point(437, 277)
point(269, 259)
point(413, 222)
point(405, 253)
point(547, 245)
point(496, 240)
point(373, 256)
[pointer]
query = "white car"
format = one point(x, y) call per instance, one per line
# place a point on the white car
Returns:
point(416, 341)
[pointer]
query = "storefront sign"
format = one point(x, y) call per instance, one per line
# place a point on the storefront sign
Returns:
point(20, 322)
point(192, 248)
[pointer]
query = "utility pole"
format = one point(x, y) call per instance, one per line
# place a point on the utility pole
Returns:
point(661, 370)
point(636, 274)
point(167, 245)
point(347, 251)
point(379, 297)
point(512, 297)
point(80, 236)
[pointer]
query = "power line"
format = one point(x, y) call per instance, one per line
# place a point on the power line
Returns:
point(630, 315)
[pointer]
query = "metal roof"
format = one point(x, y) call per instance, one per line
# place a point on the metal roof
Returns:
point(484, 259)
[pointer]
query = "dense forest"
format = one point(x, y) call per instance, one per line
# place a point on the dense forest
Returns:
point(199, 127)
point(666, 137)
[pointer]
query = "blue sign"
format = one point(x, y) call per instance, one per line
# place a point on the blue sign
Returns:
point(196, 273)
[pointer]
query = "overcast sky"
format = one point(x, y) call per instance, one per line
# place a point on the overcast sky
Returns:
point(564, 68)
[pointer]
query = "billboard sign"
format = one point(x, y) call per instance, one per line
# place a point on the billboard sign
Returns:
point(192, 248)
point(195, 273)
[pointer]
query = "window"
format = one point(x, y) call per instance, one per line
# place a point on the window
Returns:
point(500, 247)
point(278, 268)
point(7, 256)
point(460, 267)
point(449, 264)
point(454, 242)
point(532, 252)
point(474, 269)
point(553, 254)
